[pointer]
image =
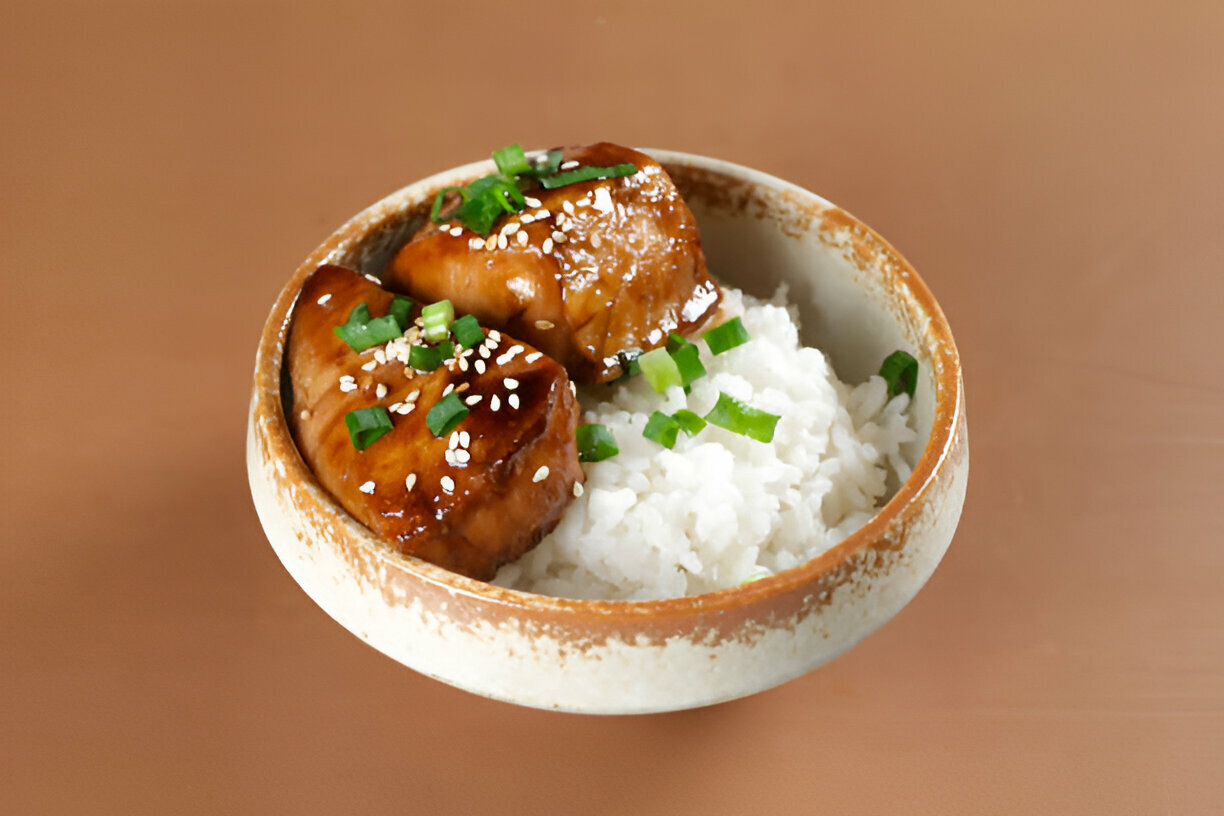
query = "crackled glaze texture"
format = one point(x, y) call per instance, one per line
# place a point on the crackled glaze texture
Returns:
point(858, 298)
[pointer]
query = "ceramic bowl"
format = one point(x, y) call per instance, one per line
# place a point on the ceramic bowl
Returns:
point(858, 299)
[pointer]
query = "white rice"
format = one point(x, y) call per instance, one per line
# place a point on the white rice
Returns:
point(721, 508)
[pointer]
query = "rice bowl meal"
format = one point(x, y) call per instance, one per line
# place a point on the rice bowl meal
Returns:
point(509, 429)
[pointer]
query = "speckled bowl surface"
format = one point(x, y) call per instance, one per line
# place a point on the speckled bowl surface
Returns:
point(858, 300)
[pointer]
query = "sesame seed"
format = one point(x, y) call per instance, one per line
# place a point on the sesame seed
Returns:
point(450, 457)
point(559, 237)
point(513, 401)
point(347, 378)
point(533, 356)
point(510, 228)
point(585, 201)
point(348, 386)
point(395, 406)
point(526, 218)
point(502, 243)
point(372, 279)
point(413, 396)
point(568, 206)
point(573, 388)
point(548, 245)
point(541, 474)
point(521, 238)
point(465, 439)
point(448, 484)
point(494, 403)
point(453, 442)
point(476, 243)
point(324, 299)
point(567, 165)
point(462, 457)
point(510, 383)
point(595, 242)
point(495, 335)
point(490, 242)
point(462, 387)
point(578, 489)
point(304, 414)
point(531, 202)
point(515, 349)
point(484, 352)
point(449, 388)
point(463, 364)
point(410, 481)
point(380, 356)
point(540, 215)
point(368, 487)
point(480, 366)
point(504, 358)
point(370, 366)
point(544, 325)
point(456, 232)
point(405, 409)
point(380, 391)
point(472, 400)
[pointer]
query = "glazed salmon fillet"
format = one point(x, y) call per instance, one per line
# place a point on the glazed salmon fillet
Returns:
point(479, 495)
point(585, 272)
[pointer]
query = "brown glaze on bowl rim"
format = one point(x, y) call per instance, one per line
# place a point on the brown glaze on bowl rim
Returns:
point(796, 591)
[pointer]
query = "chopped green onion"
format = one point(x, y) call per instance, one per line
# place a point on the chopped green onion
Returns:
point(659, 369)
point(900, 371)
point(446, 414)
point(595, 443)
point(688, 421)
point(662, 429)
point(440, 198)
point(446, 349)
point(367, 425)
point(742, 419)
point(437, 318)
point(675, 342)
point(511, 161)
point(688, 363)
point(467, 331)
point(361, 332)
point(587, 174)
point(727, 336)
point(424, 358)
point(547, 165)
point(401, 310)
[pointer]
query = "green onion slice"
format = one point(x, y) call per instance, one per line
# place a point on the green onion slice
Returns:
point(595, 443)
point(675, 342)
point(662, 429)
point(437, 318)
point(742, 419)
point(446, 414)
point(547, 165)
point(511, 161)
point(900, 371)
point(727, 336)
point(587, 174)
point(401, 310)
point(688, 363)
point(467, 331)
point(361, 332)
point(424, 358)
point(688, 421)
point(659, 369)
point(367, 425)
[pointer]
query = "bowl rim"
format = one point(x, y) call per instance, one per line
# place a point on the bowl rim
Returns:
point(901, 510)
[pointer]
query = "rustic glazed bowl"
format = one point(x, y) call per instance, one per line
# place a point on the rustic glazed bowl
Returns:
point(859, 300)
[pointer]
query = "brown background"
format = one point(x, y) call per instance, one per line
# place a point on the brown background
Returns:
point(1054, 170)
